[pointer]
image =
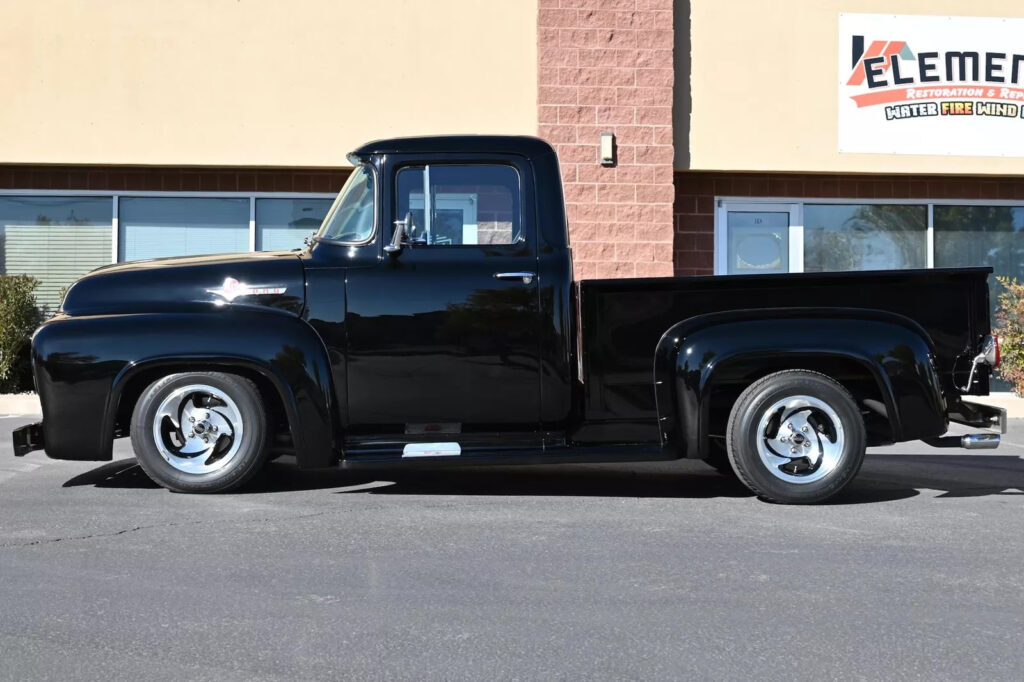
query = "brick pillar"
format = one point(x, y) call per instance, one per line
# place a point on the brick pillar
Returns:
point(606, 65)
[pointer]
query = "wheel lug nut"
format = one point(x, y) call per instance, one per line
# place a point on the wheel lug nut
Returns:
point(207, 415)
point(191, 434)
point(214, 429)
point(804, 429)
point(792, 451)
point(790, 425)
point(807, 443)
point(192, 420)
point(782, 439)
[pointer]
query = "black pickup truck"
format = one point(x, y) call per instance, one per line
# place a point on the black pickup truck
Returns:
point(434, 319)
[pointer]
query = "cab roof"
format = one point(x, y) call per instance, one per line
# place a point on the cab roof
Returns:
point(521, 145)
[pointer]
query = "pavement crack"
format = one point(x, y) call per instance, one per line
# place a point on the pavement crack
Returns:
point(173, 524)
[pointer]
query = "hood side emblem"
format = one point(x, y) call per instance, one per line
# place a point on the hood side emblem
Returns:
point(232, 289)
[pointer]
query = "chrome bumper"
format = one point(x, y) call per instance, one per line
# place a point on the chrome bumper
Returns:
point(978, 415)
point(27, 438)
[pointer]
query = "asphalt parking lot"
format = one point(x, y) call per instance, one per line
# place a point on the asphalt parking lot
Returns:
point(662, 571)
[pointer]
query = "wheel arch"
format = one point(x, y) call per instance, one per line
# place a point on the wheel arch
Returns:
point(863, 379)
point(91, 370)
point(702, 364)
point(129, 385)
point(811, 460)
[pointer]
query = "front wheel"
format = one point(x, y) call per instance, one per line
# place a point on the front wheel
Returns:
point(200, 432)
point(795, 437)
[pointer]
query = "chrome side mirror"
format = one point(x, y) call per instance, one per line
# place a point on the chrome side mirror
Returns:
point(403, 228)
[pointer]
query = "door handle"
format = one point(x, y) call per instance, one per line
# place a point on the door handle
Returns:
point(527, 277)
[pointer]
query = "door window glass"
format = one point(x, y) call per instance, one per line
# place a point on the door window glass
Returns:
point(865, 237)
point(460, 205)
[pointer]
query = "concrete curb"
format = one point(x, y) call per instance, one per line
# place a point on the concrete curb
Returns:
point(21, 404)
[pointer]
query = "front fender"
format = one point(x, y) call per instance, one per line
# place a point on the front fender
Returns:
point(82, 365)
point(894, 350)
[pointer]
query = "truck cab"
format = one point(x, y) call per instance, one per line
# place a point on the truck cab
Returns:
point(434, 319)
point(458, 311)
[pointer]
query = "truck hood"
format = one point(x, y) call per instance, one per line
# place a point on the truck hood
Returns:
point(273, 279)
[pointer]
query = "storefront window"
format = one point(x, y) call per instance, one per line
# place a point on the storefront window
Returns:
point(282, 224)
point(980, 235)
point(158, 227)
point(54, 239)
point(865, 237)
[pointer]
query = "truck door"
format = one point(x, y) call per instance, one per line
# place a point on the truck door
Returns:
point(443, 334)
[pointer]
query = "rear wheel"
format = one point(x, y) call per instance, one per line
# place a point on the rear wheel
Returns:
point(795, 437)
point(200, 432)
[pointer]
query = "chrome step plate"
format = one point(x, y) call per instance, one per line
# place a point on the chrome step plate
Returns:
point(431, 450)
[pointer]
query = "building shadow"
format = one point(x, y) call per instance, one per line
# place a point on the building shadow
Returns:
point(883, 478)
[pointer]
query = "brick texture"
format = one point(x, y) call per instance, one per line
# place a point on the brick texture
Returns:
point(166, 179)
point(606, 66)
point(695, 194)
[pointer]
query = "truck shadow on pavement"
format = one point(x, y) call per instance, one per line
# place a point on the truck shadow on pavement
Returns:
point(696, 480)
point(882, 478)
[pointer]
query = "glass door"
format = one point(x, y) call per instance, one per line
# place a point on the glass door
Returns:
point(758, 239)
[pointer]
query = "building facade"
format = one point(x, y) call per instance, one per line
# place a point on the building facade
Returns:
point(750, 137)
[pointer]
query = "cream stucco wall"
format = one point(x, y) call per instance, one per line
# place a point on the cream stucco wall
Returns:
point(256, 82)
point(764, 93)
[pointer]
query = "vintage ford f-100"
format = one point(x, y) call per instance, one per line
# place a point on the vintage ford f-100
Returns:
point(434, 318)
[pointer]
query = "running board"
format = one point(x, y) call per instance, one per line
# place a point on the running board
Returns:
point(582, 454)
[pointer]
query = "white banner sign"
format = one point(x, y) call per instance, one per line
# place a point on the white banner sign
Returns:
point(931, 85)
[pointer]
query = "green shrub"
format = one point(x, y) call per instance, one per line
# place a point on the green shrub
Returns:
point(1010, 327)
point(18, 319)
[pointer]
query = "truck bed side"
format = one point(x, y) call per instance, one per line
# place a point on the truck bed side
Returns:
point(622, 321)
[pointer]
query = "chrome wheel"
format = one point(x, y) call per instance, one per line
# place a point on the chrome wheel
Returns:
point(800, 439)
point(197, 429)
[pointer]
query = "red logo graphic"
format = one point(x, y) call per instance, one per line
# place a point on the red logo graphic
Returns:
point(879, 48)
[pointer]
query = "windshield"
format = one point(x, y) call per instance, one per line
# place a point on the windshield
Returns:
point(351, 217)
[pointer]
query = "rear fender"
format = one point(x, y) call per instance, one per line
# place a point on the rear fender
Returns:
point(84, 364)
point(894, 350)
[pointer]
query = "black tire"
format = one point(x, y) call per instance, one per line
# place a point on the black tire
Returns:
point(225, 467)
point(748, 447)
